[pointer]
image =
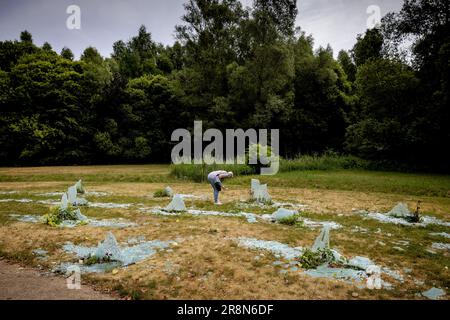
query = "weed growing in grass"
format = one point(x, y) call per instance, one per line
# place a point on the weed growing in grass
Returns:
point(161, 193)
point(22, 256)
point(291, 221)
point(93, 259)
point(327, 161)
point(312, 259)
point(152, 284)
point(58, 215)
point(121, 290)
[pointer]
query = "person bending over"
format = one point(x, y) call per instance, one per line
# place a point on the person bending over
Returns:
point(215, 179)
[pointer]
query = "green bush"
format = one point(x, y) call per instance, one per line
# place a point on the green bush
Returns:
point(57, 215)
point(161, 193)
point(290, 221)
point(312, 259)
point(327, 161)
point(93, 259)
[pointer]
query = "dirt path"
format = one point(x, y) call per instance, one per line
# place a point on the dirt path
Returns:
point(18, 283)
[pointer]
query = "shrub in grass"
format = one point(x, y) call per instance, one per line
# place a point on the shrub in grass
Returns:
point(58, 215)
point(93, 259)
point(161, 193)
point(312, 259)
point(290, 221)
point(327, 161)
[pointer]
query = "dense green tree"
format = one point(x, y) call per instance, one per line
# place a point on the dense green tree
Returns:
point(274, 19)
point(47, 47)
point(209, 38)
point(424, 27)
point(389, 116)
point(322, 97)
point(347, 64)
point(11, 51)
point(25, 36)
point(368, 46)
point(136, 57)
point(66, 53)
point(45, 109)
point(233, 67)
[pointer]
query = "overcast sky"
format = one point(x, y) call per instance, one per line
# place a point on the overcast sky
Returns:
point(335, 22)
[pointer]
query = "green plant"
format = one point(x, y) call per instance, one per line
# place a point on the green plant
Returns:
point(93, 259)
point(135, 295)
point(290, 221)
point(58, 215)
point(312, 259)
point(161, 193)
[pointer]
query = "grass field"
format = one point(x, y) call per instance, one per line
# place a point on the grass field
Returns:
point(207, 263)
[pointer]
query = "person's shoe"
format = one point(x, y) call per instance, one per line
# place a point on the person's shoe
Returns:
point(218, 203)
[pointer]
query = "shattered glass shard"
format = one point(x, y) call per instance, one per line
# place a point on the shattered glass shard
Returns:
point(282, 213)
point(177, 204)
point(64, 202)
point(260, 192)
point(400, 211)
point(168, 191)
point(109, 248)
point(79, 187)
point(72, 194)
point(323, 240)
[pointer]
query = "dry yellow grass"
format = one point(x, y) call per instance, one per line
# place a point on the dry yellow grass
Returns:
point(208, 262)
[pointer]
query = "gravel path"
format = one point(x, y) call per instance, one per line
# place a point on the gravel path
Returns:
point(18, 283)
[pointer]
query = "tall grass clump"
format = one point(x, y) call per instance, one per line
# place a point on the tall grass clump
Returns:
point(327, 161)
point(199, 172)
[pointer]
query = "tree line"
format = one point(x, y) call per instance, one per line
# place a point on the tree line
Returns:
point(234, 67)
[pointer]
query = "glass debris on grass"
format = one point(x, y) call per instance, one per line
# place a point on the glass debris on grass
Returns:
point(434, 293)
point(356, 269)
point(106, 223)
point(441, 246)
point(282, 213)
point(176, 204)
point(440, 234)
point(116, 254)
point(17, 200)
point(274, 247)
point(251, 218)
point(110, 205)
point(259, 192)
point(320, 224)
point(41, 254)
point(425, 220)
